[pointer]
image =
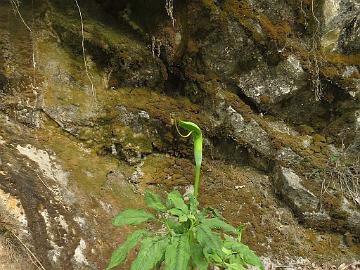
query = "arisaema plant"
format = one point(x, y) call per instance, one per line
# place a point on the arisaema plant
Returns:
point(182, 237)
point(196, 133)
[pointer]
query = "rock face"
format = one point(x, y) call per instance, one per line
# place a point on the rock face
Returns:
point(288, 183)
point(86, 118)
point(341, 19)
point(273, 84)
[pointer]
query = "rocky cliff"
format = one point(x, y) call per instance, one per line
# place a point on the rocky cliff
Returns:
point(89, 91)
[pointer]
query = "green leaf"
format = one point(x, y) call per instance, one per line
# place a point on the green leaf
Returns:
point(334, 158)
point(247, 255)
point(176, 212)
point(153, 201)
point(194, 204)
point(120, 254)
point(214, 212)
point(151, 253)
point(177, 200)
point(226, 251)
point(236, 259)
point(183, 218)
point(198, 257)
point(239, 232)
point(177, 254)
point(175, 226)
point(214, 258)
point(234, 266)
point(132, 217)
point(207, 238)
point(216, 223)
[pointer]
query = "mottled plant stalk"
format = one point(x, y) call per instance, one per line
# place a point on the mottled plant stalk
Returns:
point(196, 133)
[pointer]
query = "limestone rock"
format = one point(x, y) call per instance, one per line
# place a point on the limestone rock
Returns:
point(225, 52)
point(341, 30)
point(353, 220)
point(289, 185)
point(248, 132)
point(266, 84)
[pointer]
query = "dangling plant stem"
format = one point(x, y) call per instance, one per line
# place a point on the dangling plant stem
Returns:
point(93, 90)
point(196, 133)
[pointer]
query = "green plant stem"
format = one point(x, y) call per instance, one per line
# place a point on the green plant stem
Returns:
point(196, 133)
point(197, 180)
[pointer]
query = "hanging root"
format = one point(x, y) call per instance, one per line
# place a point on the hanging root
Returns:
point(304, 13)
point(16, 5)
point(169, 6)
point(342, 173)
point(155, 46)
point(13, 243)
point(31, 255)
point(316, 79)
point(93, 90)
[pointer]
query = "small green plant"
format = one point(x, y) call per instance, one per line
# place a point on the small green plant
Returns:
point(196, 133)
point(182, 237)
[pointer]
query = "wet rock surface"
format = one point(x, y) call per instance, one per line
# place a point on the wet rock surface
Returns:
point(274, 88)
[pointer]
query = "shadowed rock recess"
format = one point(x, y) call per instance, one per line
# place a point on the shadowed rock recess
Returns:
point(274, 85)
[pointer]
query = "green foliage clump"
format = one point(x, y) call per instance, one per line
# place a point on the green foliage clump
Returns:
point(187, 238)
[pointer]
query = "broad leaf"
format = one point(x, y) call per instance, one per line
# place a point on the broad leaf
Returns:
point(214, 258)
point(236, 259)
point(239, 231)
point(182, 217)
point(175, 226)
point(120, 254)
point(198, 257)
point(177, 254)
point(177, 200)
point(213, 211)
point(207, 238)
point(153, 201)
point(151, 253)
point(234, 266)
point(132, 217)
point(193, 204)
point(216, 223)
point(226, 251)
point(247, 255)
point(176, 212)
